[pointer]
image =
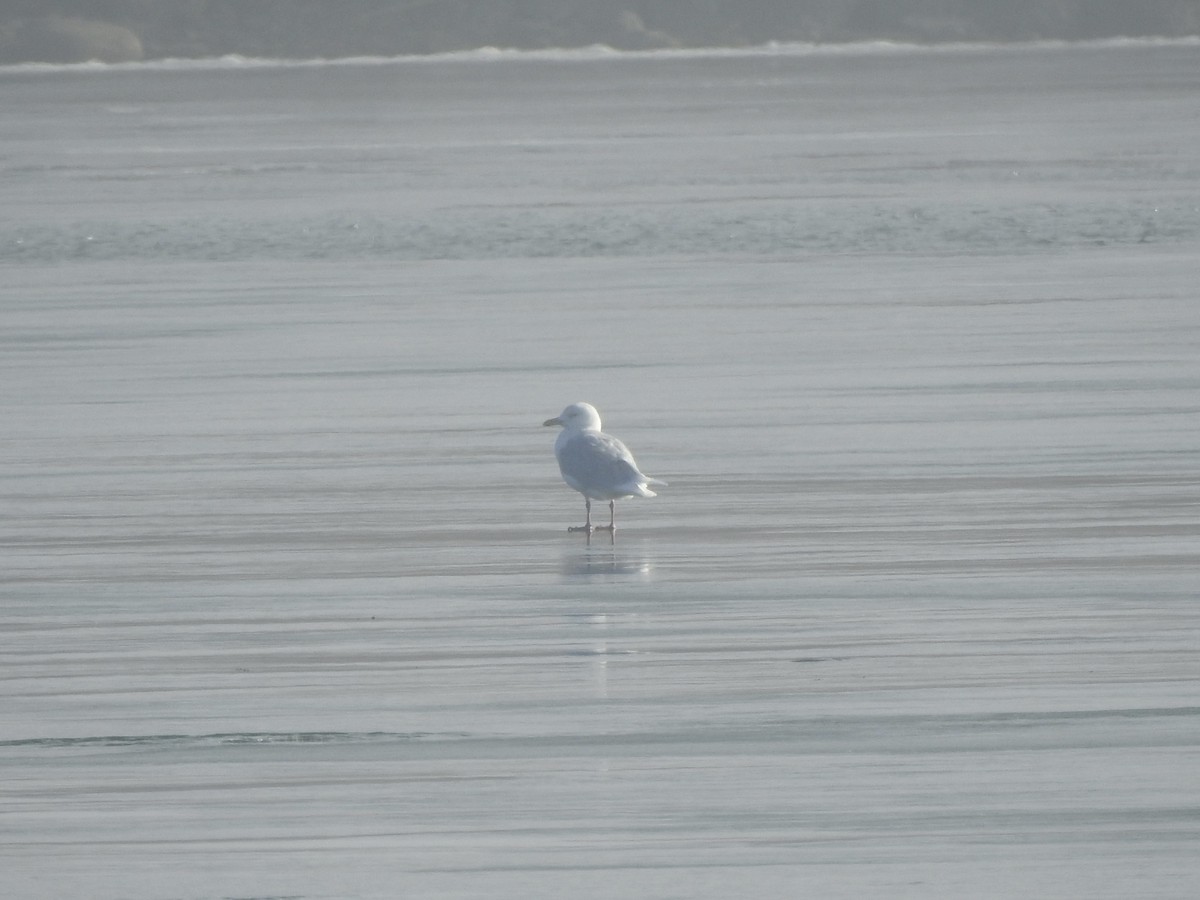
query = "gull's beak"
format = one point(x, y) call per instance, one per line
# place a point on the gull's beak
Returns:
point(555, 421)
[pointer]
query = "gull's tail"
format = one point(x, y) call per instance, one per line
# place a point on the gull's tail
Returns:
point(640, 489)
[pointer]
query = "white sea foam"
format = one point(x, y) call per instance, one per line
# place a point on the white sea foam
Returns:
point(603, 52)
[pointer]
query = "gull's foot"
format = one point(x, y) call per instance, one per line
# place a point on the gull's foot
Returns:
point(586, 528)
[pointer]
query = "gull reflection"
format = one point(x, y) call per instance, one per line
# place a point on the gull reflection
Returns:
point(595, 648)
point(603, 557)
point(600, 658)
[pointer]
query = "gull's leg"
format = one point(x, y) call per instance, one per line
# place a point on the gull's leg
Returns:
point(612, 518)
point(588, 526)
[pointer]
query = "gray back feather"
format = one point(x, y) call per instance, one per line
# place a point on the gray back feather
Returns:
point(593, 457)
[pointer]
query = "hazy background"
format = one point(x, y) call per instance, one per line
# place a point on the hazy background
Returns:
point(122, 30)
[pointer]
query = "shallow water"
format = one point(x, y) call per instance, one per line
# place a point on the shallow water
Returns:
point(290, 607)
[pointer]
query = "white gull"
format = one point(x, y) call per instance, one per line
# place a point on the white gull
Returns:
point(596, 464)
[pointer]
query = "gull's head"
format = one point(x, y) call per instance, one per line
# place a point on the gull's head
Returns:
point(577, 416)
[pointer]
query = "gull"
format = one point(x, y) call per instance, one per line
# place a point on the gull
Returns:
point(596, 464)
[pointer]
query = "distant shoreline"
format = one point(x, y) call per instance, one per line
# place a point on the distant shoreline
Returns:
point(71, 31)
point(600, 53)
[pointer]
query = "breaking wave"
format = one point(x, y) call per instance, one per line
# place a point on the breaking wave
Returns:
point(601, 52)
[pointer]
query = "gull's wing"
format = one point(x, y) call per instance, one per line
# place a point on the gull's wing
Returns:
point(594, 461)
